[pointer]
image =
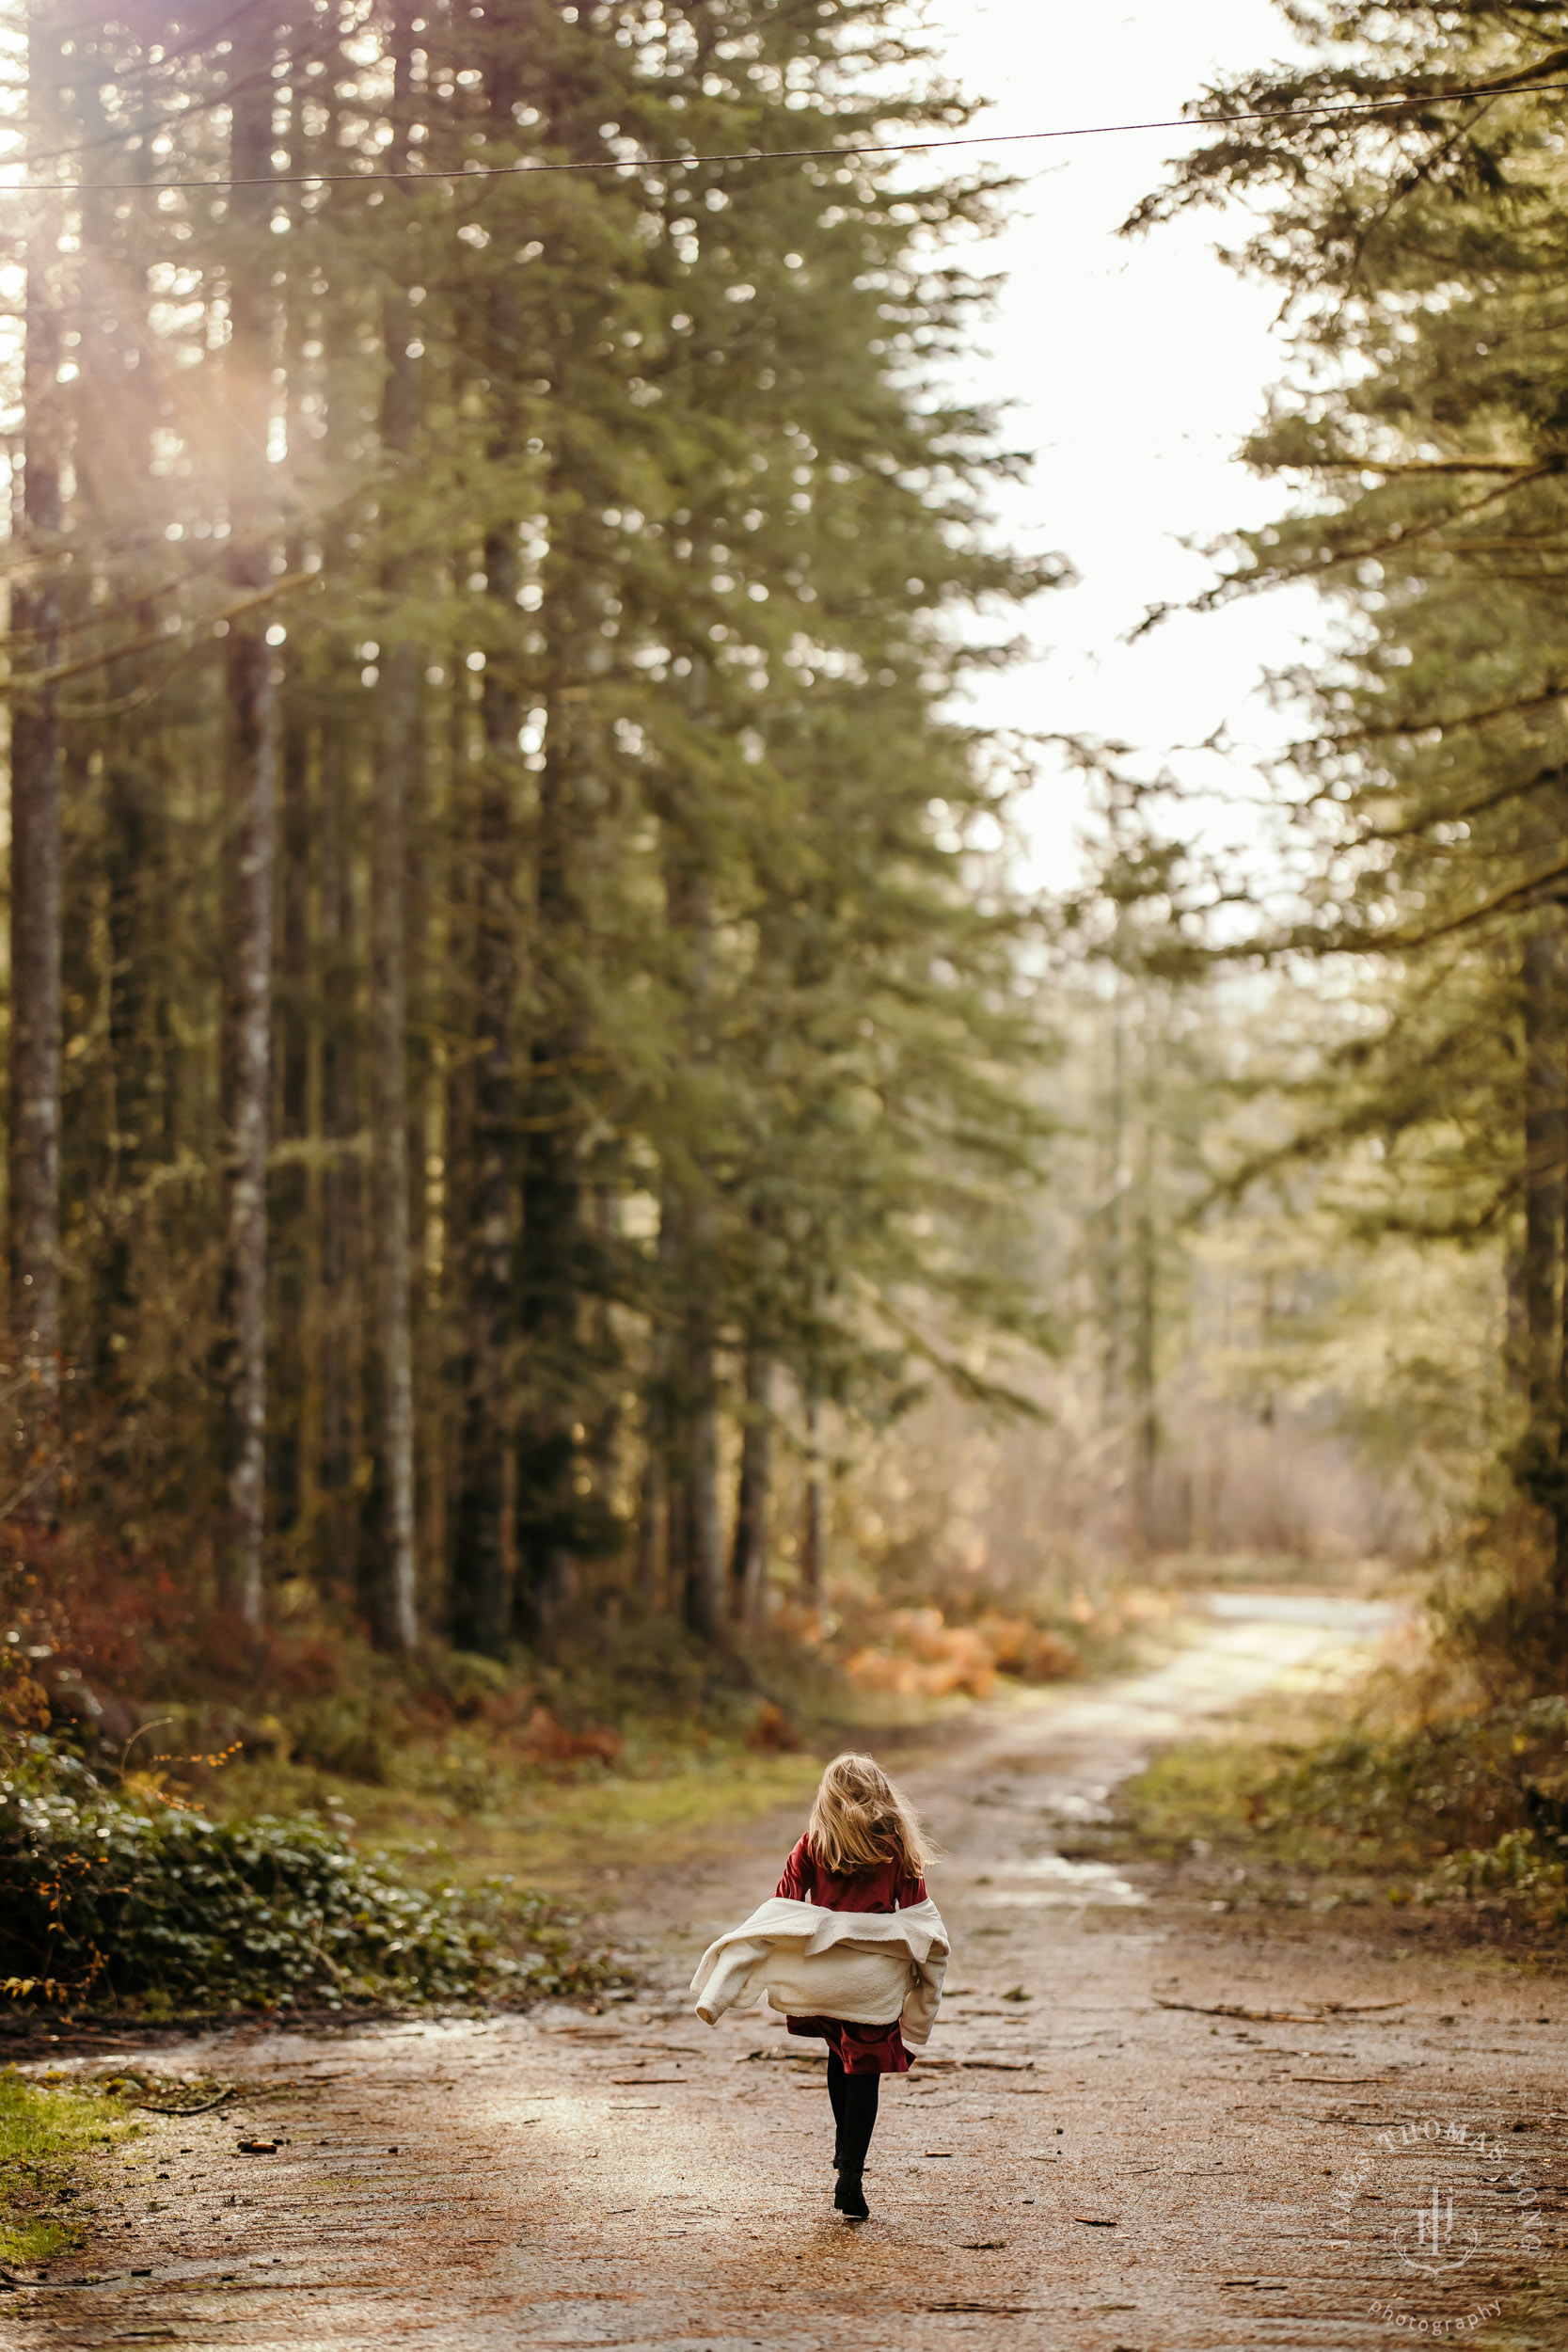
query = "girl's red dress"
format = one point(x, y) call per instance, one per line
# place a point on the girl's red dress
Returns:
point(860, 2049)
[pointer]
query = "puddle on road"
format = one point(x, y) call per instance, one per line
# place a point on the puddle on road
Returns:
point(1086, 1805)
point(1065, 1883)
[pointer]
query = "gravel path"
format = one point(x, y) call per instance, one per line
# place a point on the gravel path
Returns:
point(1091, 2159)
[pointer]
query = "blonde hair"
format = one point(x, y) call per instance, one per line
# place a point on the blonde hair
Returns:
point(860, 1820)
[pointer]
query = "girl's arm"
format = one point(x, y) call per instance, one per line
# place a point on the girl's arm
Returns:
point(795, 1885)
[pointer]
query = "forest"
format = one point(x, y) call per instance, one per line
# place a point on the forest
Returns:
point(562, 1171)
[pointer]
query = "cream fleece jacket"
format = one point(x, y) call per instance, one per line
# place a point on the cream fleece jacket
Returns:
point(863, 1967)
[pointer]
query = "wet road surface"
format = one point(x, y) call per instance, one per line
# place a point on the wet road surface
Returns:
point(1090, 2159)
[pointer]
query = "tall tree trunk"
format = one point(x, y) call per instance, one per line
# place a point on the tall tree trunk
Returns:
point(696, 1536)
point(481, 1595)
point(392, 1590)
point(749, 1557)
point(134, 865)
point(551, 1245)
point(295, 1466)
point(291, 1187)
point(111, 454)
point(814, 1541)
point(336, 1336)
point(659, 1541)
point(481, 1610)
point(36, 913)
point(705, 1612)
point(1543, 1263)
point(651, 1525)
point(34, 875)
point(1112, 1308)
point(391, 1594)
point(1146, 1425)
point(252, 701)
point(482, 1570)
point(1542, 974)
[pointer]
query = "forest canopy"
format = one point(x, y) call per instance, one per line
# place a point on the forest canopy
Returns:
point(524, 1023)
point(502, 1014)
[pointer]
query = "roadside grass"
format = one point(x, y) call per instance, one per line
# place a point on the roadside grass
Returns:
point(47, 2132)
point(1206, 1797)
point(484, 1812)
point(1208, 1803)
point(1369, 1799)
point(1533, 2319)
point(112, 1897)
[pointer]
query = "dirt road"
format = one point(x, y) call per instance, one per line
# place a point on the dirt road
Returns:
point(1091, 2161)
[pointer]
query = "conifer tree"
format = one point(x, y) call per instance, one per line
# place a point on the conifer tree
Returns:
point(540, 973)
point(1415, 246)
point(394, 1606)
point(34, 1242)
point(251, 700)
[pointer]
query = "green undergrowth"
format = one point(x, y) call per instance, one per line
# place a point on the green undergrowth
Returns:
point(1469, 1811)
point(113, 1897)
point(47, 2130)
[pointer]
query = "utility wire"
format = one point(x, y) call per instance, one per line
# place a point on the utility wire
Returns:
point(1361, 109)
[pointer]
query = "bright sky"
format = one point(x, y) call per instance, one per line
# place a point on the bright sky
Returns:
point(1132, 370)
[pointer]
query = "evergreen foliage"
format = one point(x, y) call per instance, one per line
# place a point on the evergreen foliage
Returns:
point(1414, 251)
point(483, 653)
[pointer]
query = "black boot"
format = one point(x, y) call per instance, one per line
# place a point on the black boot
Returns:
point(850, 2196)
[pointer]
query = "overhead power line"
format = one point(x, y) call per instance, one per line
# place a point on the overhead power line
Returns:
point(1362, 108)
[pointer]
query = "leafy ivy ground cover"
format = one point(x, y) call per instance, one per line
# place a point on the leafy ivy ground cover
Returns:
point(113, 1898)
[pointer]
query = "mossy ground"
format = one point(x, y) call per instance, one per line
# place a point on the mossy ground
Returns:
point(47, 2133)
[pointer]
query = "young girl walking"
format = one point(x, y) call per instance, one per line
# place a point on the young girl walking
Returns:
point(850, 1947)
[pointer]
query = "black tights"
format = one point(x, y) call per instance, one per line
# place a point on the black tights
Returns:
point(854, 2098)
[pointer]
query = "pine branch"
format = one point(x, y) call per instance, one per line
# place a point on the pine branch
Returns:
point(28, 681)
